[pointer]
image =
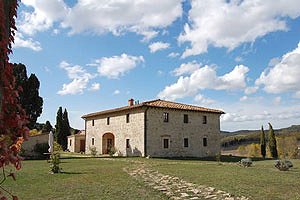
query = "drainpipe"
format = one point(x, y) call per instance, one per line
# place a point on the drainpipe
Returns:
point(145, 132)
point(85, 136)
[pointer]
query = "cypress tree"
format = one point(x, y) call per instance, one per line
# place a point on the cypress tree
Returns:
point(272, 142)
point(65, 129)
point(262, 143)
point(58, 126)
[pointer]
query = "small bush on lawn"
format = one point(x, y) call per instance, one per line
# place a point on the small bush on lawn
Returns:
point(246, 162)
point(54, 162)
point(283, 165)
point(93, 151)
point(112, 151)
point(55, 158)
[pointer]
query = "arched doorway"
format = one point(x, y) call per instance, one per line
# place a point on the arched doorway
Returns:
point(108, 142)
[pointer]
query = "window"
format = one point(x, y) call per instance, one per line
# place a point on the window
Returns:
point(205, 142)
point(204, 120)
point(93, 122)
point(166, 143)
point(127, 143)
point(70, 142)
point(185, 118)
point(127, 118)
point(93, 141)
point(166, 117)
point(186, 142)
point(107, 120)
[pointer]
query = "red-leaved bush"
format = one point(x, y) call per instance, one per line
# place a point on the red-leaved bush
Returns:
point(13, 130)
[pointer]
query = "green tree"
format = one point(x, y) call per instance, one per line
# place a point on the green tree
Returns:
point(58, 126)
point(29, 97)
point(272, 142)
point(262, 142)
point(65, 129)
point(47, 127)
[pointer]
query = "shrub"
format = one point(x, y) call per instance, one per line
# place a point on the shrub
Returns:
point(218, 157)
point(54, 162)
point(253, 150)
point(34, 132)
point(242, 149)
point(55, 158)
point(287, 147)
point(246, 162)
point(57, 147)
point(93, 151)
point(283, 165)
point(112, 151)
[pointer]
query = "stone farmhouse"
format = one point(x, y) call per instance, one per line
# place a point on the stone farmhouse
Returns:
point(155, 128)
point(76, 142)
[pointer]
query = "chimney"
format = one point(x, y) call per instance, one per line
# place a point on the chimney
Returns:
point(130, 102)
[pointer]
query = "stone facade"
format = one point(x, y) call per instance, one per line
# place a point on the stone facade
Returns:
point(76, 143)
point(176, 131)
point(121, 130)
point(147, 133)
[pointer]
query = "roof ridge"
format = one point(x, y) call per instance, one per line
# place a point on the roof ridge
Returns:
point(183, 104)
point(159, 103)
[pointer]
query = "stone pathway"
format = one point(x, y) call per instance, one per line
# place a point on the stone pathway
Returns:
point(175, 188)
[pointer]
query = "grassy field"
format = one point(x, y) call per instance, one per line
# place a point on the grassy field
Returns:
point(98, 178)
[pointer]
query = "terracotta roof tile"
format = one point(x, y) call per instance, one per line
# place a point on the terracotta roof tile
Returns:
point(158, 103)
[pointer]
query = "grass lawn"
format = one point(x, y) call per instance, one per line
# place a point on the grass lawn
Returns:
point(262, 181)
point(83, 178)
point(98, 178)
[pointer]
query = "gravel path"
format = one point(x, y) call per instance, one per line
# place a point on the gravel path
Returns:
point(175, 188)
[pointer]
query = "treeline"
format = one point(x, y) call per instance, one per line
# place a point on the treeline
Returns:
point(254, 136)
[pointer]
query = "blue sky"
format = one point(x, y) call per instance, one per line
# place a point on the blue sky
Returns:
point(239, 56)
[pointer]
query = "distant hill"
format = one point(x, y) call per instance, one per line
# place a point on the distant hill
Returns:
point(253, 136)
point(282, 131)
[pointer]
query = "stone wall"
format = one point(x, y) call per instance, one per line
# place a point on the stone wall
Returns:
point(175, 130)
point(28, 146)
point(74, 142)
point(134, 131)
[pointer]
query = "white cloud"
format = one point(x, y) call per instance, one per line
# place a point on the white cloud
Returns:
point(148, 35)
point(160, 72)
point(239, 59)
point(116, 16)
point(235, 117)
point(95, 87)
point(258, 111)
point(116, 92)
point(77, 86)
point(21, 42)
point(250, 90)
point(158, 46)
point(205, 78)
point(44, 14)
point(277, 100)
point(231, 23)
point(47, 69)
point(200, 99)
point(116, 66)
point(173, 55)
point(243, 98)
point(186, 68)
point(297, 95)
point(80, 79)
point(283, 76)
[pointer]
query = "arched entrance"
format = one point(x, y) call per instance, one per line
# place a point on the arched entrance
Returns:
point(108, 142)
